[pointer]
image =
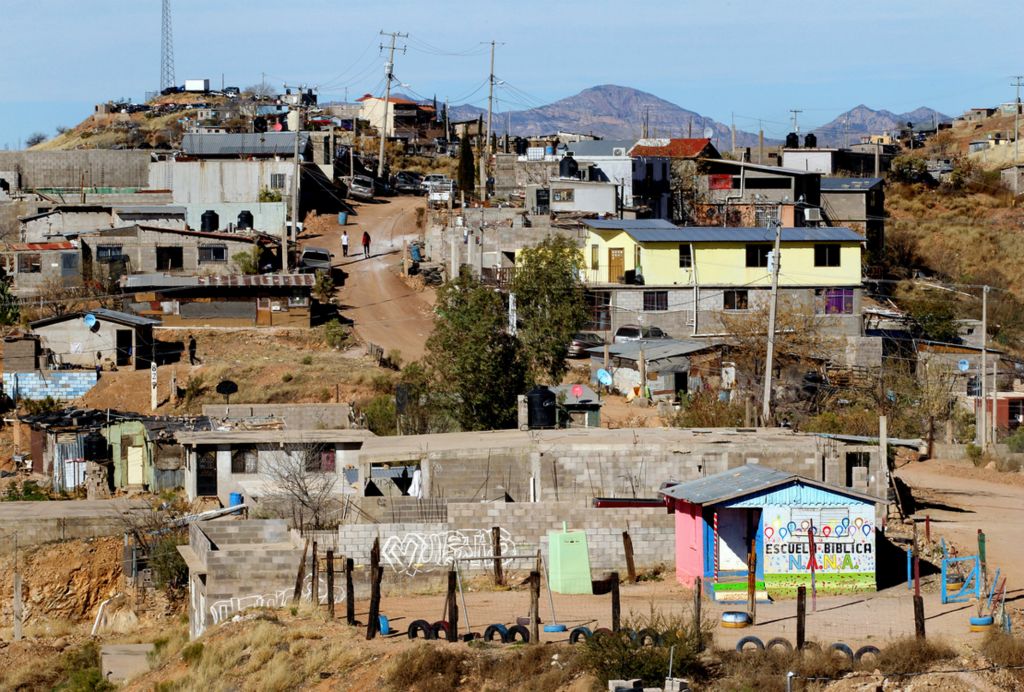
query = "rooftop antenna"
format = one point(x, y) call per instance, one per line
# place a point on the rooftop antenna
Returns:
point(166, 48)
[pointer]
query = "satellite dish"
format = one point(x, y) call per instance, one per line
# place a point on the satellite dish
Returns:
point(577, 390)
point(604, 377)
point(226, 388)
point(963, 365)
point(708, 133)
point(90, 320)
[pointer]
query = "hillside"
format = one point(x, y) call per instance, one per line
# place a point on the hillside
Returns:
point(614, 112)
point(862, 120)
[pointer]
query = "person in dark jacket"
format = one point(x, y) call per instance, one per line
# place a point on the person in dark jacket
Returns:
point(366, 245)
point(192, 360)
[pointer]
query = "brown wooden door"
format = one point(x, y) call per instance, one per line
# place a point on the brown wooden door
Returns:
point(616, 264)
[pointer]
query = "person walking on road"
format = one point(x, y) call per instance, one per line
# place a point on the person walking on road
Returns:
point(344, 243)
point(192, 360)
point(366, 245)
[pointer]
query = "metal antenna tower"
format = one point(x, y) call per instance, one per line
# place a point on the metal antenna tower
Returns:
point(166, 48)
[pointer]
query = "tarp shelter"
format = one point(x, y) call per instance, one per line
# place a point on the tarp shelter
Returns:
point(718, 516)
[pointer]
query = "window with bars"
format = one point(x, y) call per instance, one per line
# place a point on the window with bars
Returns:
point(108, 252)
point(243, 459)
point(277, 181)
point(655, 301)
point(213, 253)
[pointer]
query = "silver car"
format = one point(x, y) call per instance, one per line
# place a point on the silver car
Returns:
point(634, 332)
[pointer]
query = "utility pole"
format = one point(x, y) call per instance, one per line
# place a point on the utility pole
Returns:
point(796, 124)
point(982, 429)
point(389, 69)
point(485, 152)
point(290, 237)
point(1016, 119)
point(766, 403)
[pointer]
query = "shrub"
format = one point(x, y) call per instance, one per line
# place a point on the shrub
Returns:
point(80, 671)
point(36, 406)
point(912, 655)
point(703, 409)
point(1016, 441)
point(381, 417)
point(267, 195)
point(247, 262)
point(29, 491)
point(194, 388)
point(192, 653)
point(974, 453)
point(307, 360)
point(335, 334)
point(428, 668)
point(287, 377)
point(1005, 465)
point(169, 569)
point(323, 288)
point(1003, 649)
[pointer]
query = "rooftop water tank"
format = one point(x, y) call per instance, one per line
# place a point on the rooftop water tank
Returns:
point(245, 220)
point(210, 221)
point(792, 141)
point(810, 140)
point(540, 407)
point(568, 168)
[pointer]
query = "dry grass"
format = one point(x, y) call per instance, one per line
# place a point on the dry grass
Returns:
point(765, 671)
point(1003, 649)
point(913, 655)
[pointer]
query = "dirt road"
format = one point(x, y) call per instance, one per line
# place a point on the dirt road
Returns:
point(384, 309)
point(962, 499)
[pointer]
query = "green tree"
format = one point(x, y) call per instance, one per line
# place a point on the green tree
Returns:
point(550, 304)
point(323, 288)
point(933, 311)
point(467, 169)
point(478, 370)
point(10, 313)
point(248, 261)
point(909, 169)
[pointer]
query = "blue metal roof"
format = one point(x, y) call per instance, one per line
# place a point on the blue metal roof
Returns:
point(654, 349)
point(744, 481)
point(848, 184)
point(720, 234)
point(626, 224)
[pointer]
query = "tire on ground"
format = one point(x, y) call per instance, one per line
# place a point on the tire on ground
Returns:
point(578, 632)
point(649, 634)
point(866, 651)
point(843, 649)
point(418, 626)
point(517, 631)
point(442, 626)
point(780, 642)
point(602, 632)
point(741, 644)
point(495, 629)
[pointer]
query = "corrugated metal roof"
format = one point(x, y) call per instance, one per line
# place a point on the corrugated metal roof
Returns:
point(600, 147)
point(724, 234)
point(109, 315)
point(654, 349)
point(746, 480)
point(624, 224)
point(138, 281)
point(588, 395)
point(237, 144)
point(151, 209)
point(848, 184)
point(38, 247)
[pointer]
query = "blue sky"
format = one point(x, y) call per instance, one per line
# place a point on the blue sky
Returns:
point(756, 59)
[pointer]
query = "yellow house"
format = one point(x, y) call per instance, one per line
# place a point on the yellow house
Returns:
point(665, 255)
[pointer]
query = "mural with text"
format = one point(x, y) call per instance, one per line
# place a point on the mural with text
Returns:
point(844, 544)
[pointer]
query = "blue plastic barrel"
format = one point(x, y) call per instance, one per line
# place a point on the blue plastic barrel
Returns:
point(235, 499)
point(549, 150)
point(342, 218)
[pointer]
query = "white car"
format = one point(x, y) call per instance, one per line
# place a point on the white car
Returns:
point(634, 332)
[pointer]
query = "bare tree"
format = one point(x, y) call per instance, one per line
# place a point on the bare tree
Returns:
point(304, 480)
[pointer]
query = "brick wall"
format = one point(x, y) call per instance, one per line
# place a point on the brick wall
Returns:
point(61, 385)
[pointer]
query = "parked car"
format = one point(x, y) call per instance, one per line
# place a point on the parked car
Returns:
point(406, 183)
point(315, 259)
point(634, 332)
point(582, 341)
point(361, 187)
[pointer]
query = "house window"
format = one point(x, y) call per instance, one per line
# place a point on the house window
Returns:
point(595, 254)
point(298, 301)
point(685, 256)
point(563, 195)
point(636, 258)
point(169, 258)
point(757, 254)
point(836, 301)
point(655, 301)
point(213, 253)
point(321, 459)
point(826, 255)
point(243, 459)
point(107, 253)
point(30, 263)
point(277, 181)
point(734, 300)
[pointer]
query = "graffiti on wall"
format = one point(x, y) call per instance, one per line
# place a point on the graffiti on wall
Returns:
point(226, 608)
point(414, 553)
point(844, 539)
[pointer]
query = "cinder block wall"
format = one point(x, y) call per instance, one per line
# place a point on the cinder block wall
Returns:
point(61, 385)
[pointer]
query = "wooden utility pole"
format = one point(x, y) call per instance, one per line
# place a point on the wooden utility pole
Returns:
point(1016, 119)
point(376, 574)
point(389, 70)
point(350, 593)
point(295, 196)
point(301, 576)
point(453, 606)
point(766, 403)
point(499, 576)
point(314, 584)
point(982, 427)
point(535, 607)
point(485, 151)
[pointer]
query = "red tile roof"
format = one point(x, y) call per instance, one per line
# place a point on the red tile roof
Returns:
point(37, 247)
point(675, 148)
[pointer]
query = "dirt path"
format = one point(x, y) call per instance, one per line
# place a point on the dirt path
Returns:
point(383, 308)
point(962, 499)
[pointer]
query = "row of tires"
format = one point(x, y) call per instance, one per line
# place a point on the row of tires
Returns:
point(519, 633)
point(783, 644)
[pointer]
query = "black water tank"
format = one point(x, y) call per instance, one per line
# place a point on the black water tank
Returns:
point(540, 408)
point(792, 141)
point(568, 168)
point(245, 220)
point(210, 221)
point(810, 141)
point(94, 447)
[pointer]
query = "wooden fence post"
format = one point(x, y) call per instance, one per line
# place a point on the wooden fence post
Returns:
point(373, 617)
point(314, 584)
point(301, 576)
point(919, 617)
point(752, 580)
point(627, 545)
point(350, 593)
point(698, 598)
point(499, 576)
point(453, 605)
point(535, 607)
point(330, 583)
point(801, 617)
point(616, 605)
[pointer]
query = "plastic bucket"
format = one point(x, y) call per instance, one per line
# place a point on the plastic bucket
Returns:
point(342, 218)
point(235, 499)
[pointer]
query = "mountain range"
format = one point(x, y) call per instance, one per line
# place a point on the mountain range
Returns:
point(618, 112)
